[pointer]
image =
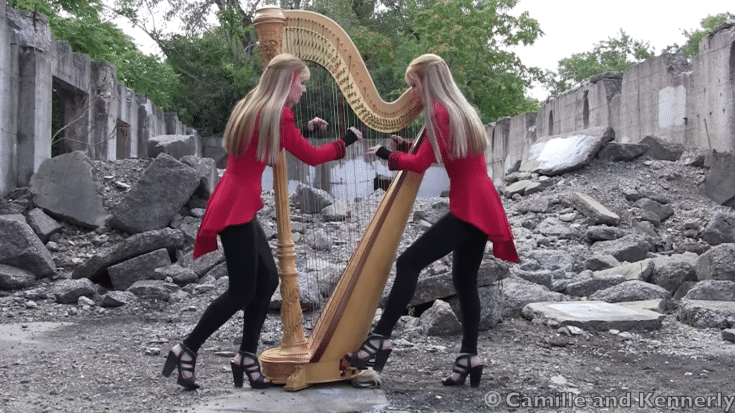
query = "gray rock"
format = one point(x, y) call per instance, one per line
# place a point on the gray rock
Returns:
point(707, 314)
point(117, 299)
point(138, 244)
point(12, 278)
point(440, 320)
point(670, 275)
point(517, 293)
point(633, 290)
point(43, 225)
point(207, 171)
point(603, 233)
point(491, 306)
point(630, 248)
point(593, 210)
point(662, 149)
point(310, 200)
point(64, 188)
point(179, 275)
point(721, 229)
point(165, 187)
point(717, 263)
point(69, 291)
point(601, 262)
point(712, 290)
point(616, 152)
point(20, 247)
point(641, 270)
point(588, 286)
point(153, 290)
point(177, 146)
point(142, 267)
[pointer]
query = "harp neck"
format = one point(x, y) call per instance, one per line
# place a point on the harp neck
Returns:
point(318, 39)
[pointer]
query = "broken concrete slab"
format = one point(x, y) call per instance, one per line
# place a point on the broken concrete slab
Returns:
point(563, 153)
point(592, 315)
point(334, 398)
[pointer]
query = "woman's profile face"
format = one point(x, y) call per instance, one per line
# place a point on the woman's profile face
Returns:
point(298, 88)
point(416, 89)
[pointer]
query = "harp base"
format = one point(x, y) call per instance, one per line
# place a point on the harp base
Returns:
point(300, 374)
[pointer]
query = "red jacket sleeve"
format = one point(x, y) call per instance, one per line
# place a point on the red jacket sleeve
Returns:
point(424, 156)
point(294, 142)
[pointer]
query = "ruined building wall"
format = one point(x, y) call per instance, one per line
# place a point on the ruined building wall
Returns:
point(688, 103)
point(98, 113)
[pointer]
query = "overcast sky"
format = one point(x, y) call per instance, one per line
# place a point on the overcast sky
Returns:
point(574, 26)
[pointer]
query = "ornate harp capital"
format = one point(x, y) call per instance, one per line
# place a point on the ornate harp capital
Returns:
point(319, 39)
point(269, 22)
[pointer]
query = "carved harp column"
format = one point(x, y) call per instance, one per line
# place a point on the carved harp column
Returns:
point(346, 318)
point(270, 25)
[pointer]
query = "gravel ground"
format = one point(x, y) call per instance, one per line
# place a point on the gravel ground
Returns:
point(66, 358)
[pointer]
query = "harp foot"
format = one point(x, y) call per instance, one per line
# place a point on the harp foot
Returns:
point(297, 380)
point(367, 379)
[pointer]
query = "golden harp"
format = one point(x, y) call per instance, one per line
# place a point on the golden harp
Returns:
point(347, 316)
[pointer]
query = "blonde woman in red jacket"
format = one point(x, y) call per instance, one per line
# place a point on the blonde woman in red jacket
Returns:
point(457, 139)
point(260, 125)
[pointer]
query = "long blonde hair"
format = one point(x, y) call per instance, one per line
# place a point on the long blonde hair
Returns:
point(467, 132)
point(266, 100)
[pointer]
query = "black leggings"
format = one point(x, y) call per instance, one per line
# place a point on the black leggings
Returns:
point(253, 279)
point(449, 234)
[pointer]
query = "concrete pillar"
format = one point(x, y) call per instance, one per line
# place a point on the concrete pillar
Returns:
point(8, 103)
point(104, 109)
point(172, 124)
point(34, 112)
point(145, 117)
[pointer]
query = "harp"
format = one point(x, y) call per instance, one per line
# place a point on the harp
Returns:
point(347, 316)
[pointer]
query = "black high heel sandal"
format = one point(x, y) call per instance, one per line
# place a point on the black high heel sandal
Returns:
point(377, 355)
point(255, 377)
point(186, 367)
point(463, 367)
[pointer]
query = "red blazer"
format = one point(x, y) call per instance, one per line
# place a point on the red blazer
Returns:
point(472, 195)
point(236, 198)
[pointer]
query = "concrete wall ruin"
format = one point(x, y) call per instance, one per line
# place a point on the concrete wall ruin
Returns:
point(688, 103)
point(95, 113)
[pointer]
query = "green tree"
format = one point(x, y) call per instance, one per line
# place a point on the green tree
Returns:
point(611, 55)
point(709, 23)
point(474, 37)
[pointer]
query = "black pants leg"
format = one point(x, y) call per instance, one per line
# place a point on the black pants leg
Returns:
point(449, 234)
point(252, 280)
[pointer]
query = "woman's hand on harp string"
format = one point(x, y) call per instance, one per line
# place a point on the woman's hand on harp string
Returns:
point(317, 123)
point(379, 151)
point(352, 135)
point(397, 143)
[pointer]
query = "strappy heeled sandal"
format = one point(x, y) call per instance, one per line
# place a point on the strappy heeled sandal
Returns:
point(251, 368)
point(463, 367)
point(180, 356)
point(375, 351)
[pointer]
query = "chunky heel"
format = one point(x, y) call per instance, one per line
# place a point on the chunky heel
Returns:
point(252, 368)
point(186, 366)
point(238, 374)
point(375, 349)
point(171, 361)
point(475, 376)
point(380, 359)
point(462, 368)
